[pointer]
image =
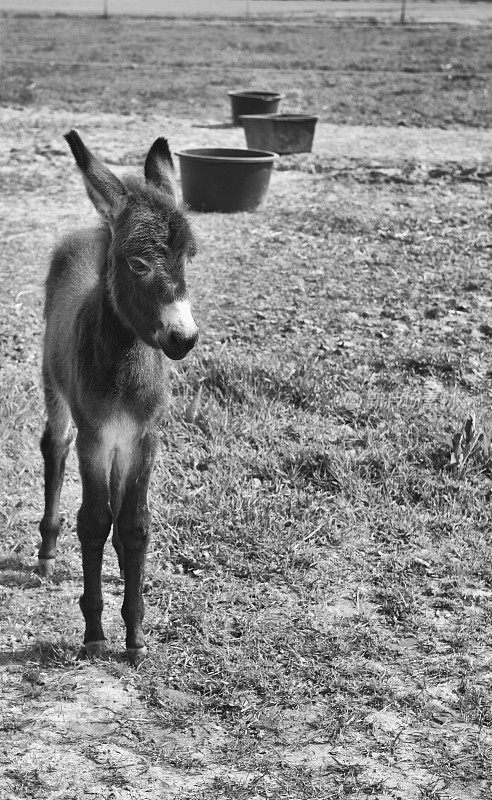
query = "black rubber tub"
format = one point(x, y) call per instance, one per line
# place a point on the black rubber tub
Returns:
point(283, 133)
point(225, 179)
point(252, 101)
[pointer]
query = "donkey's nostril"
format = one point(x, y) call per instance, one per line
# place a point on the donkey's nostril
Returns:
point(192, 340)
point(174, 339)
point(181, 340)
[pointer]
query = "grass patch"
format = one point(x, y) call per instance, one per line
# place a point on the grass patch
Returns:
point(345, 73)
point(319, 582)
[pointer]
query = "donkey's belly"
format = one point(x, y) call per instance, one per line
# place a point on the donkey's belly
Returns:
point(120, 437)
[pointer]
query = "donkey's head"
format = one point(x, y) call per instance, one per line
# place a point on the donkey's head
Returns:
point(150, 244)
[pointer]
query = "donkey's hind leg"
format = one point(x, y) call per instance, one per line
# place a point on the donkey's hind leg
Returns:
point(115, 500)
point(115, 541)
point(55, 444)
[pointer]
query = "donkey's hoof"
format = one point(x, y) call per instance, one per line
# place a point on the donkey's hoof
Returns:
point(136, 655)
point(95, 649)
point(46, 567)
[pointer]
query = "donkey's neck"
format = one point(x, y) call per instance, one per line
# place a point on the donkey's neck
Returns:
point(113, 335)
point(120, 365)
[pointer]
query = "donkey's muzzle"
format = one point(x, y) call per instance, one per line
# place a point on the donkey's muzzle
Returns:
point(176, 345)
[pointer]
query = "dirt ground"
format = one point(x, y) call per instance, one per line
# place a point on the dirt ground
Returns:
point(70, 729)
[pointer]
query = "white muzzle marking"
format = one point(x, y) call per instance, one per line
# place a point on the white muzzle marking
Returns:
point(177, 317)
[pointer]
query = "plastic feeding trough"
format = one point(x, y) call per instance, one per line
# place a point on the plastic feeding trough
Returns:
point(253, 102)
point(224, 179)
point(283, 133)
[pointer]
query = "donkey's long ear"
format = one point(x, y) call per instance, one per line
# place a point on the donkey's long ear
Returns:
point(104, 189)
point(159, 167)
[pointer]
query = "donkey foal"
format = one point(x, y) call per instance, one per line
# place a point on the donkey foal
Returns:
point(116, 304)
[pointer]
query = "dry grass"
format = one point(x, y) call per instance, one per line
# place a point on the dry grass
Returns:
point(320, 578)
point(319, 589)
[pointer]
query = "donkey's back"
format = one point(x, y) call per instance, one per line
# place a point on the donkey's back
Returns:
point(72, 278)
point(73, 269)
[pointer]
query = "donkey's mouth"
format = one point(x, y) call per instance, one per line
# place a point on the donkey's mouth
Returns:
point(173, 354)
point(177, 347)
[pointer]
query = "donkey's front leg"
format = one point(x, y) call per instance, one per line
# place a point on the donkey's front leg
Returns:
point(133, 533)
point(93, 525)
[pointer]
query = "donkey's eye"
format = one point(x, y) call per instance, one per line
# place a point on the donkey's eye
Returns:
point(139, 266)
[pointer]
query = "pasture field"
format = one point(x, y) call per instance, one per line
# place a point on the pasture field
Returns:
point(465, 12)
point(319, 587)
point(356, 74)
